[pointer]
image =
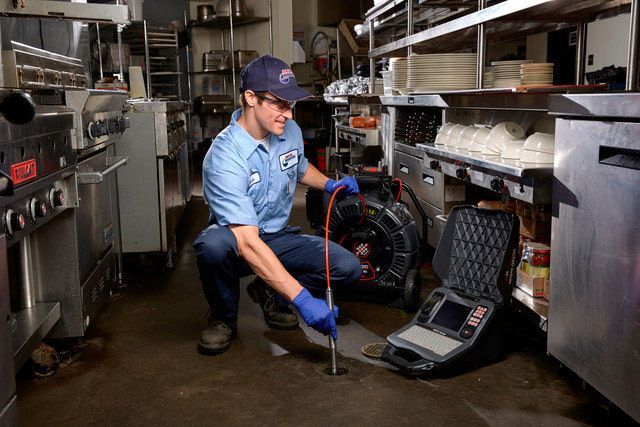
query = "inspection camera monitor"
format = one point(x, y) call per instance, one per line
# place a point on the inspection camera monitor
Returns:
point(476, 260)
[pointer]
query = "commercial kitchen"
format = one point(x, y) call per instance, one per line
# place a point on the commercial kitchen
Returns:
point(354, 212)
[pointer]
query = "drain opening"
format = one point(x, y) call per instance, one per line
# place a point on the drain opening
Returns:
point(325, 369)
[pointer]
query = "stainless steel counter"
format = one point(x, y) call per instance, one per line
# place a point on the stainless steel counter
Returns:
point(529, 182)
point(594, 307)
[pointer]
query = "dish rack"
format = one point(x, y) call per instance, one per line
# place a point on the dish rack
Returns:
point(155, 48)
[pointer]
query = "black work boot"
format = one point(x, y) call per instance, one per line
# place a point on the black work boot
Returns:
point(276, 317)
point(217, 337)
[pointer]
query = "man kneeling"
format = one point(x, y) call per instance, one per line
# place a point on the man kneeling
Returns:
point(249, 177)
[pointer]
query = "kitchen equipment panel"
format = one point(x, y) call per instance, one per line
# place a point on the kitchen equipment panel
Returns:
point(594, 309)
point(30, 68)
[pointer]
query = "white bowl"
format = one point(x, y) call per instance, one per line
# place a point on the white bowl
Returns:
point(513, 149)
point(542, 142)
point(454, 135)
point(358, 28)
point(445, 128)
point(530, 156)
point(442, 135)
point(478, 139)
point(466, 137)
point(500, 135)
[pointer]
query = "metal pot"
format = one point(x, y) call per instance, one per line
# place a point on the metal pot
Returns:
point(216, 60)
point(205, 12)
point(239, 8)
point(244, 57)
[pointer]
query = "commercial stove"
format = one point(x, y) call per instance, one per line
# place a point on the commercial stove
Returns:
point(94, 121)
point(154, 188)
point(98, 123)
point(39, 192)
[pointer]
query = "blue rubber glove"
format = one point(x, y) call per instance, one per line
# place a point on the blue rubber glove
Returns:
point(316, 313)
point(349, 182)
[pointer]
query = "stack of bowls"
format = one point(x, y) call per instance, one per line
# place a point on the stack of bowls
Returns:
point(466, 137)
point(479, 138)
point(453, 136)
point(443, 133)
point(538, 148)
point(512, 150)
point(500, 136)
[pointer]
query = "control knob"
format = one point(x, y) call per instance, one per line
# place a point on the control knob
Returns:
point(37, 209)
point(434, 164)
point(462, 173)
point(13, 221)
point(97, 129)
point(56, 198)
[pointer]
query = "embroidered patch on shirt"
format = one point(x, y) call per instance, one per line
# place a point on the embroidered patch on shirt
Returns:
point(288, 159)
point(254, 179)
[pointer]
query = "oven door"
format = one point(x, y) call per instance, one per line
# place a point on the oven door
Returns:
point(95, 215)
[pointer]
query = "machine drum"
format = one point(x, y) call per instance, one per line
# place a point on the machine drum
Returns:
point(383, 235)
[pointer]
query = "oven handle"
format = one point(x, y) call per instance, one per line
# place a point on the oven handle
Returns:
point(113, 163)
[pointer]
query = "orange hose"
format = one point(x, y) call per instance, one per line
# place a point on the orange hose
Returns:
point(326, 235)
point(399, 181)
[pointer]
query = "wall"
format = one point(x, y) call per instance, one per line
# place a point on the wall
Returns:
point(607, 41)
point(305, 17)
point(498, 51)
point(537, 47)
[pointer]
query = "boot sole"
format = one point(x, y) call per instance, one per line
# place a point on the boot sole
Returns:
point(281, 326)
point(212, 351)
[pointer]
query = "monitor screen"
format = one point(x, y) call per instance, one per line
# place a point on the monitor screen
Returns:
point(452, 315)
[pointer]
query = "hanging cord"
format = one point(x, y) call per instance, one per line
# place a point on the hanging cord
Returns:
point(326, 235)
point(399, 182)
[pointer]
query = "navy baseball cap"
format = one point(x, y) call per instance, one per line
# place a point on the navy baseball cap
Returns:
point(269, 74)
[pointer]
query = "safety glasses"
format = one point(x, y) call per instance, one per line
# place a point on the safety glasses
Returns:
point(278, 105)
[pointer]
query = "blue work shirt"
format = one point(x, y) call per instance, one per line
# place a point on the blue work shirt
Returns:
point(246, 184)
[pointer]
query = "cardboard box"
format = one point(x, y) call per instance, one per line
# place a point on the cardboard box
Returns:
point(535, 222)
point(533, 286)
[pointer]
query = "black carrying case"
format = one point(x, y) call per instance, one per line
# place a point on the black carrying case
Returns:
point(475, 258)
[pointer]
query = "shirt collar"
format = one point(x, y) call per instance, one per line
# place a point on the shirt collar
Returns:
point(247, 143)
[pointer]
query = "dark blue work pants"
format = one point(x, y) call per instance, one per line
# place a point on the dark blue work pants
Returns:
point(303, 257)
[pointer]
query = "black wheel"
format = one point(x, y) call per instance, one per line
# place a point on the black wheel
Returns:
point(411, 293)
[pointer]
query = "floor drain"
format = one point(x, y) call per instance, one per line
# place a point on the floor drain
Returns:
point(374, 350)
point(325, 369)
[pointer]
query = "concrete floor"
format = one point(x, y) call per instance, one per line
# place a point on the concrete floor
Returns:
point(140, 366)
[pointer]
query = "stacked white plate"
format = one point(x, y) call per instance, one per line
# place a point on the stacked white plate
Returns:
point(536, 74)
point(441, 71)
point(399, 74)
point(507, 73)
point(487, 78)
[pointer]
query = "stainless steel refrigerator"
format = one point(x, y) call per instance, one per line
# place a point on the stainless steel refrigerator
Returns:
point(594, 307)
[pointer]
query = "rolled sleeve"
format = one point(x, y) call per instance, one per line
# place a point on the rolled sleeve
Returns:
point(303, 163)
point(226, 181)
